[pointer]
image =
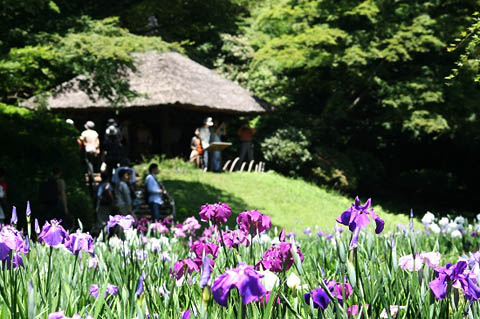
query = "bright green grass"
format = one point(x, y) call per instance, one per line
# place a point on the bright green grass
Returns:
point(292, 204)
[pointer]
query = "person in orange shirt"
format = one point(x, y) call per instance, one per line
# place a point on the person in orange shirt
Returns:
point(196, 147)
point(246, 147)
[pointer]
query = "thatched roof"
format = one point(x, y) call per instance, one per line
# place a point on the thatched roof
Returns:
point(168, 79)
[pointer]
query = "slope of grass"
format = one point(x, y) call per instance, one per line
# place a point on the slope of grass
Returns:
point(292, 204)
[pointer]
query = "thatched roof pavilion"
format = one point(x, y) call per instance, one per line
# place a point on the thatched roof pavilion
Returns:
point(176, 94)
point(168, 79)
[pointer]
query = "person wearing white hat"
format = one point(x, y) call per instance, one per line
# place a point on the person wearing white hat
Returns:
point(205, 135)
point(91, 143)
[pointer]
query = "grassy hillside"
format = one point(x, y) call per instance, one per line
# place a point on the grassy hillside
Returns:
point(292, 204)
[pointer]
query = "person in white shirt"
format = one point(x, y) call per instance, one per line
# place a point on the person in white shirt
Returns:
point(91, 143)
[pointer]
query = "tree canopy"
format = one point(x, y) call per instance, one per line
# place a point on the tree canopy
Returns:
point(371, 84)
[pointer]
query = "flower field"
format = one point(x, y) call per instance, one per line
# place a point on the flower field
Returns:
point(202, 269)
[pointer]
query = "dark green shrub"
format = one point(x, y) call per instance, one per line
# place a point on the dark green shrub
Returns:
point(334, 169)
point(31, 145)
point(287, 151)
point(369, 170)
point(427, 182)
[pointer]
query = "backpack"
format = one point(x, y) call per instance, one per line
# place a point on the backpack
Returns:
point(106, 198)
point(48, 192)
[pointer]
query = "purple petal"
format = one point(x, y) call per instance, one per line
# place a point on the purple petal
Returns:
point(94, 291)
point(354, 241)
point(221, 288)
point(186, 314)
point(251, 290)
point(345, 218)
point(28, 212)
point(14, 219)
point(206, 271)
point(439, 287)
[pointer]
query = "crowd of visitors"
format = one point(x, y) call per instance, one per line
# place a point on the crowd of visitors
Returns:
point(211, 132)
point(120, 188)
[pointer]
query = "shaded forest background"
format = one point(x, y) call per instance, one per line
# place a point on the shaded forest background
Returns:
point(369, 98)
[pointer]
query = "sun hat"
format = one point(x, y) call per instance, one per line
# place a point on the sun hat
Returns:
point(208, 121)
point(89, 125)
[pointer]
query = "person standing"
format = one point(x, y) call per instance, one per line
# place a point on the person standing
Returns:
point(123, 199)
point(91, 142)
point(154, 191)
point(217, 130)
point(196, 147)
point(105, 202)
point(246, 147)
point(205, 134)
point(112, 146)
point(53, 196)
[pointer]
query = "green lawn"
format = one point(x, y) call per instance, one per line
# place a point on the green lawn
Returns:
point(292, 204)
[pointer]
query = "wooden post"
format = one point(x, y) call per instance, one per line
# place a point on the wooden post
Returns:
point(234, 163)
point(250, 166)
point(243, 166)
point(225, 167)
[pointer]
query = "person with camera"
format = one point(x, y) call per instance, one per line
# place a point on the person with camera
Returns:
point(154, 191)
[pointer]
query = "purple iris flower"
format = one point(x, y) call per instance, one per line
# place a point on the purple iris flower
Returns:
point(16, 261)
point(321, 299)
point(281, 236)
point(61, 315)
point(28, 211)
point(357, 217)
point(279, 257)
point(459, 276)
point(111, 290)
point(233, 238)
point(186, 314)
point(206, 272)
point(37, 227)
point(24, 246)
point(200, 248)
point(191, 225)
point(11, 240)
point(307, 231)
point(57, 315)
point(126, 222)
point(14, 219)
point(245, 279)
point(80, 241)
point(217, 213)
point(94, 290)
point(140, 284)
point(253, 221)
point(183, 266)
point(53, 234)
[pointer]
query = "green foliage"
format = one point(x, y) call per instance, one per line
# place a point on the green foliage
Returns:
point(334, 169)
point(97, 50)
point(32, 144)
point(469, 43)
point(365, 73)
point(287, 150)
